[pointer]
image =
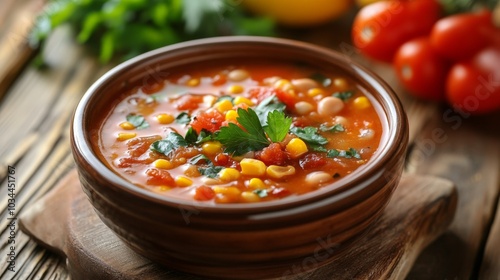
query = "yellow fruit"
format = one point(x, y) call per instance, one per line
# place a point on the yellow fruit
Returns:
point(299, 13)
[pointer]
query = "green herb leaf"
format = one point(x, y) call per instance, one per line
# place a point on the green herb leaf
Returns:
point(198, 158)
point(238, 141)
point(183, 118)
point(268, 105)
point(334, 128)
point(351, 153)
point(277, 126)
point(211, 171)
point(225, 97)
point(261, 193)
point(191, 136)
point(309, 134)
point(168, 145)
point(344, 95)
point(321, 79)
point(137, 121)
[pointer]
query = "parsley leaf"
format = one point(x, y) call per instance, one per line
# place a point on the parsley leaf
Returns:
point(309, 134)
point(321, 79)
point(351, 153)
point(268, 105)
point(183, 118)
point(194, 138)
point(168, 145)
point(138, 121)
point(260, 193)
point(277, 126)
point(211, 171)
point(335, 128)
point(239, 141)
point(344, 95)
point(198, 158)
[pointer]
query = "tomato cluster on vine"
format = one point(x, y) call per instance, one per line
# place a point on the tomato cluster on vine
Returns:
point(454, 58)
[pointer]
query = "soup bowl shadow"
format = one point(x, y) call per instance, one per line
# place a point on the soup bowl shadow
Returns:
point(239, 241)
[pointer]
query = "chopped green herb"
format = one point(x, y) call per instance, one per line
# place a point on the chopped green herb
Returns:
point(260, 193)
point(193, 138)
point(344, 95)
point(238, 141)
point(309, 134)
point(168, 145)
point(334, 128)
point(137, 121)
point(198, 158)
point(351, 153)
point(268, 105)
point(277, 126)
point(211, 171)
point(321, 79)
point(183, 118)
point(225, 97)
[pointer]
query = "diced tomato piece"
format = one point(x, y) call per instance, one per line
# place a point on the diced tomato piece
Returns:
point(140, 145)
point(311, 161)
point(204, 193)
point(273, 154)
point(210, 120)
point(189, 102)
point(129, 161)
point(159, 177)
point(287, 97)
point(219, 80)
point(222, 159)
point(260, 93)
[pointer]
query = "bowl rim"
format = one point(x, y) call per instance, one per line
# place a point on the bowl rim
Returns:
point(81, 145)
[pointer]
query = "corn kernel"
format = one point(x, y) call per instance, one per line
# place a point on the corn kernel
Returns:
point(252, 167)
point(164, 188)
point(122, 136)
point(127, 126)
point(182, 181)
point(296, 147)
point(193, 82)
point(240, 100)
point(249, 197)
point(278, 172)
point(165, 118)
point(315, 92)
point(361, 102)
point(231, 115)
point(211, 148)
point(235, 89)
point(224, 105)
point(229, 174)
point(163, 164)
point(283, 84)
point(229, 191)
point(256, 183)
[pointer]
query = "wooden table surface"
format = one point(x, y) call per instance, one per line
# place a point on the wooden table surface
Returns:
point(36, 107)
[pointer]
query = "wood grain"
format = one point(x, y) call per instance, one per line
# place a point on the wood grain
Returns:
point(420, 210)
point(459, 150)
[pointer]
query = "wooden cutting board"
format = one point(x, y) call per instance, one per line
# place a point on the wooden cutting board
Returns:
point(421, 209)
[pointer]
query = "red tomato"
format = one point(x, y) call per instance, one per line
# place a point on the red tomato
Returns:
point(379, 29)
point(159, 177)
point(421, 70)
point(204, 193)
point(210, 120)
point(273, 154)
point(474, 86)
point(459, 37)
point(189, 102)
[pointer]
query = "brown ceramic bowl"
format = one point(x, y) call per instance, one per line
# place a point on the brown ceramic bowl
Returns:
point(238, 241)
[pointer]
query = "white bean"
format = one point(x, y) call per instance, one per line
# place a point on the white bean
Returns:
point(341, 120)
point(318, 177)
point(330, 106)
point(238, 75)
point(305, 84)
point(303, 107)
point(271, 80)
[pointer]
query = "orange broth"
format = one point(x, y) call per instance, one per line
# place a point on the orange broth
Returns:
point(127, 144)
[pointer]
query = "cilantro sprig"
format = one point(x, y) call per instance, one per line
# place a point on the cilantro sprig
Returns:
point(138, 121)
point(252, 135)
point(168, 145)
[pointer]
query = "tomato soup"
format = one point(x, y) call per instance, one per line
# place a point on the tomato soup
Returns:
point(240, 132)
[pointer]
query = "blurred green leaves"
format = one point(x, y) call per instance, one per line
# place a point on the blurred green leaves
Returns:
point(460, 6)
point(127, 28)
